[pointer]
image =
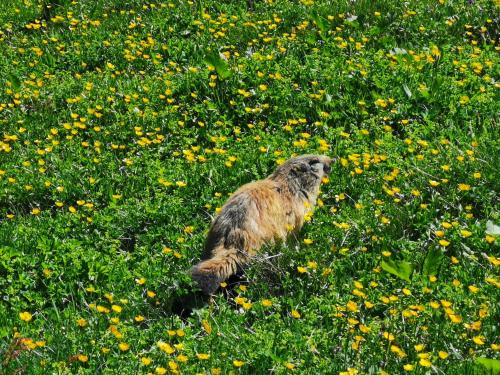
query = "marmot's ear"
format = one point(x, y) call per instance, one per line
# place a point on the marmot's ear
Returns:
point(301, 168)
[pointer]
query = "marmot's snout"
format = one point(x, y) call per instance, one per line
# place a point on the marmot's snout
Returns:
point(327, 165)
point(321, 164)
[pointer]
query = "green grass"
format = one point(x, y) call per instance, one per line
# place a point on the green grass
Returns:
point(126, 124)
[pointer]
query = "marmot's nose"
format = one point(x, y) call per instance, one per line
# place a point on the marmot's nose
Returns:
point(326, 168)
point(327, 165)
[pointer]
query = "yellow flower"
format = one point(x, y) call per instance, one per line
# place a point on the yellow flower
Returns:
point(464, 99)
point(301, 269)
point(206, 326)
point(443, 355)
point(266, 303)
point(473, 288)
point(408, 367)
point(444, 243)
point(81, 322)
point(463, 187)
point(26, 316)
point(289, 365)
point(445, 303)
point(237, 363)
point(388, 336)
point(352, 306)
point(165, 347)
point(295, 314)
point(424, 362)
point(419, 347)
point(479, 340)
point(247, 305)
point(308, 241)
point(489, 238)
point(180, 333)
point(160, 370)
point(465, 233)
point(146, 361)
point(123, 346)
point(203, 356)
point(434, 304)
point(83, 358)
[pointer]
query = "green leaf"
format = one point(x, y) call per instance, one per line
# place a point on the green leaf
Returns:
point(400, 269)
point(407, 91)
point(16, 83)
point(492, 228)
point(220, 65)
point(320, 22)
point(492, 365)
point(432, 262)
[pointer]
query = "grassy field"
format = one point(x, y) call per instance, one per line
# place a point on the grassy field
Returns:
point(126, 124)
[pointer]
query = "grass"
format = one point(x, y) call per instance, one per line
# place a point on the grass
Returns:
point(126, 125)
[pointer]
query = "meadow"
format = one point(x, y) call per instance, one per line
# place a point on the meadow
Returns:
point(125, 125)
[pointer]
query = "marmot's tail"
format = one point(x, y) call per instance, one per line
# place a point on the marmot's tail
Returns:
point(211, 272)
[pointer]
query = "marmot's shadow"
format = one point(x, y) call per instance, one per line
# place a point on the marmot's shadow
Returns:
point(184, 306)
point(266, 272)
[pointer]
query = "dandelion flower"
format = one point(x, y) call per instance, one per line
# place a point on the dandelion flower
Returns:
point(479, 340)
point(443, 355)
point(238, 363)
point(408, 367)
point(26, 316)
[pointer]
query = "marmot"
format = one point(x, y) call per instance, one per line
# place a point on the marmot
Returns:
point(259, 212)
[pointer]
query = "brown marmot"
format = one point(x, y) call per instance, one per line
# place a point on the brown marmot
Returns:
point(259, 212)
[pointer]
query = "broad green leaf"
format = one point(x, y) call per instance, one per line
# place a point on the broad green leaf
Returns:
point(400, 269)
point(491, 365)
point(407, 91)
point(220, 65)
point(432, 262)
point(492, 228)
point(16, 83)
point(320, 22)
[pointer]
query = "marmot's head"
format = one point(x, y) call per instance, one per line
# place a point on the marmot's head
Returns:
point(304, 173)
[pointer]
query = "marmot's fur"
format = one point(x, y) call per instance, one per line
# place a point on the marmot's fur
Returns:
point(259, 212)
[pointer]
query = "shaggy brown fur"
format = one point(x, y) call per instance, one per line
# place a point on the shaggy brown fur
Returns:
point(257, 213)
